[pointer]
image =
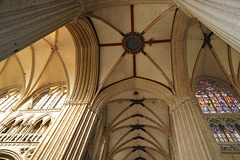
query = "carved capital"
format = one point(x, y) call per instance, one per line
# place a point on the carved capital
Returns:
point(74, 103)
point(94, 110)
point(79, 11)
point(182, 103)
point(183, 8)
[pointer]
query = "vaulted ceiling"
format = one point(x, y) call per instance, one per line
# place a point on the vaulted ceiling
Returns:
point(154, 22)
point(208, 55)
point(48, 61)
point(137, 122)
point(137, 125)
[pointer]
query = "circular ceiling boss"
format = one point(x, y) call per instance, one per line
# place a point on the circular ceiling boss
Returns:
point(133, 42)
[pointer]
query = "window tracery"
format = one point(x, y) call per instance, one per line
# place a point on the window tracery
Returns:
point(30, 125)
point(51, 98)
point(227, 130)
point(24, 129)
point(8, 98)
point(221, 108)
point(215, 98)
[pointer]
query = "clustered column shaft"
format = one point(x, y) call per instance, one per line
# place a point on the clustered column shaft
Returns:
point(220, 16)
point(20, 28)
point(192, 133)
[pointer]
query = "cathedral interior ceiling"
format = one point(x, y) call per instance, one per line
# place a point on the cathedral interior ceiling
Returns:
point(134, 42)
point(137, 125)
point(134, 19)
point(50, 60)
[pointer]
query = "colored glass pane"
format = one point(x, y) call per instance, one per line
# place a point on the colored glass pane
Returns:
point(214, 98)
point(216, 137)
point(231, 128)
point(202, 104)
point(220, 137)
point(208, 103)
point(234, 133)
point(237, 135)
point(229, 137)
point(229, 101)
point(224, 137)
point(214, 128)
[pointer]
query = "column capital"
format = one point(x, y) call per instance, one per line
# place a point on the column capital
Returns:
point(74, 103)
point(183, 101)
point(93, 110)
point(193, 137)
point(183, 8)
point(79, 11)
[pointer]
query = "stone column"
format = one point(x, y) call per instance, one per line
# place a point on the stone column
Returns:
point(81, 135)
point(68, 136)
point(220, 16)
point(59, 137)
point(29, 22)
point(193, 137)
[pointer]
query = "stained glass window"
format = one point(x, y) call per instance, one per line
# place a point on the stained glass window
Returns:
point(8, 98)
point(233, 132)
point(215, 132)
point(215, 98)
point(51, 98)
point(226, 133)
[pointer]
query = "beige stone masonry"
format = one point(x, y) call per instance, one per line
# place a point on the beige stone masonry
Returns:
point(21, 27)
point(220, 16)
point(191, 131)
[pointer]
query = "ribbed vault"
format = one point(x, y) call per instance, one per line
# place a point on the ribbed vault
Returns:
point(138, 128)
point(135, 120)
point(133, 42)
point(208, 55)
point(130, 65)
point(135, 86)
point(136, 125)
point(38, 66)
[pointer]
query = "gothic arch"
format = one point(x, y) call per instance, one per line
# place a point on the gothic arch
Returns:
point(81, 92)
point(8, 93)
point(149, 127)
point(132, 84)
point(87, 54)
point(9, 155)
point(38, 119)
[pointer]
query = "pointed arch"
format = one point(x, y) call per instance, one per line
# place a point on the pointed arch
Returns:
point(215, 98)
point(9, 155)
point(86, 59)
point(132, 84)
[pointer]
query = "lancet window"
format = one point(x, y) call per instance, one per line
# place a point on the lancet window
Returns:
point(8, 98)
point(30, 126)
point(51, 98)
point(227, 130)
point(215, 98)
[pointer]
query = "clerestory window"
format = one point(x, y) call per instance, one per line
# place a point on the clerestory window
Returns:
point(221, 109)
point(51, 98)
point(8, 98)
point(215, 98)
